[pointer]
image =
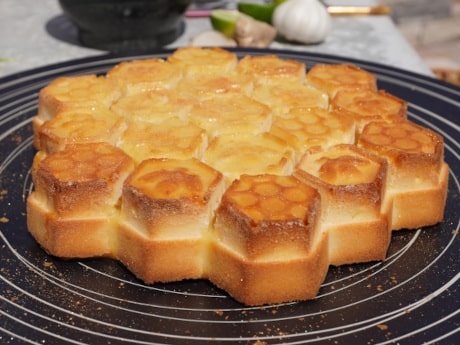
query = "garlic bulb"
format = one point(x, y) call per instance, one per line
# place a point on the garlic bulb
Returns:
point(305, 21)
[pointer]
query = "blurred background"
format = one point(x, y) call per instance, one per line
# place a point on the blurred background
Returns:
point(433, 29)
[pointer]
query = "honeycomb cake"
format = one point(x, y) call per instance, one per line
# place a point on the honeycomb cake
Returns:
point(231, 114)
point(144, 75)
point(270, 69)
point(153, 106)
point(365, 106)
point(267, 245)
point(283, 97)
point(171, 138)
point(351, 182)
point(74, 208)
point(73, 124)
point(166, 213)
point(85, 91)
point(194, 61)
point(82, 90)
point(208, 86)
point(333, 78)
point(303, 128)
point(253, 173)
point(249, 154)
point(417, 178)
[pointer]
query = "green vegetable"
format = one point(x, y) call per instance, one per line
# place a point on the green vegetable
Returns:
point(259, 11)
point(224, 21)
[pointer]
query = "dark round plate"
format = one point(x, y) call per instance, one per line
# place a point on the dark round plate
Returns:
point(410, 298)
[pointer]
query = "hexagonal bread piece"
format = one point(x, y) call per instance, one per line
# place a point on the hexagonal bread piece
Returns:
point(144, 75)
point(76, 124)
point(418, 175)
point(365, 106)
point(171, 138)
point(269, 69)
point(231, 114)
point(303, 128)
point(153, 106)
point(167, 207)
point(332, 78)
point(85, 89)
point(73, 210)
point(196, 60)
point(351, 182)
point(250, 154)
point(266, 245)
point(207, 86)
point(283, 97)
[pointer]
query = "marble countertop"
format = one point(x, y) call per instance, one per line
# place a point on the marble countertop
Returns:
point(37, 33)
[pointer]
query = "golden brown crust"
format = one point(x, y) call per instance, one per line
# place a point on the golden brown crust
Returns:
point(269, 282)
point(208, 86)
point(269, 69)
point(333, 78)
point(162, 192)
point(352, 183)
point(254, 209)
point(73, 210)
point(74, 124)
point(237, 155)
point(69, 237)
point(417, 176)
point(83, 180)
point(266, 246)
point(230, 115)
point(156, 260)
point(364, 106)
point(281, 98)
point(86, 90)
point(144, 75)
point(183, 169)
point(171, 138)
point(195, 61)
point(153, 106)
point(303, 128)
point(165, 218)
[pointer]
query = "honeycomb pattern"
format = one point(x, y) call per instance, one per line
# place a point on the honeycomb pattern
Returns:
point(254, 173)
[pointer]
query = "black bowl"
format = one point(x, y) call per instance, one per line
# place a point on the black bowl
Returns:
point(126, 25)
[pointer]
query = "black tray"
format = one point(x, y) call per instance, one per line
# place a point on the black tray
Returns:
point(410, 298)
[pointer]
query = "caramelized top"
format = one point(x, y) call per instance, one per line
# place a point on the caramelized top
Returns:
point(236, 155)
point(271, 197)
point(144, 75)
point(169, 139)
point(283, 97)
point(207, 86)
point(272, 69)
point(80, 125)
point(232, 114)
point(402, 136)
point(85, 162)
point(80, 89)
point(153, 106)
point(365, 104)
point(194, 60)
point(333, 78)
point(340, 165)
point(306, 127)
point(174, 179)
